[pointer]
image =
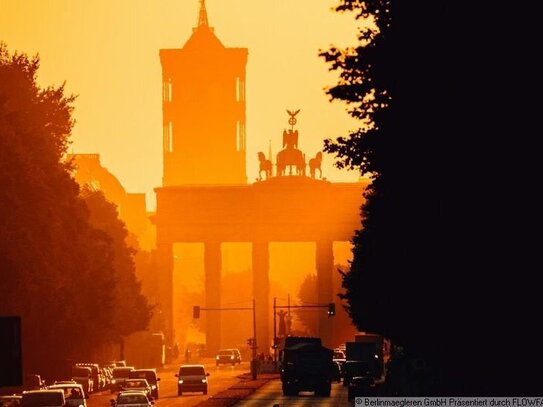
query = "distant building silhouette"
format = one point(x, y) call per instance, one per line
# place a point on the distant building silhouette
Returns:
point(131, 206)
point(203, 88)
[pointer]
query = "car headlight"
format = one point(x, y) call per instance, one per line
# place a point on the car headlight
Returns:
point(114, 381)
point(153, 387)
point(231, 357)
point(217, 358)
point(180, 381)
point(204, 380)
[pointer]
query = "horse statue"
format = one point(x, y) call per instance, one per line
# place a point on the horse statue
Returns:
point(315, 164)
point(265, 165)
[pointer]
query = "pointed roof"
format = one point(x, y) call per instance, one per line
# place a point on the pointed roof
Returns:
point(203, 36)
point(202, 16)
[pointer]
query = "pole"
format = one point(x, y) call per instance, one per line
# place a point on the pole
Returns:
point(274, 335)
point(288, 313)
point(254, 361)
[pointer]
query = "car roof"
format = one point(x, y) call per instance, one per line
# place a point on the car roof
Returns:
point(132, 393)
point(13, 396)
point(64, 386)
point(193, 366)
point(43, 391)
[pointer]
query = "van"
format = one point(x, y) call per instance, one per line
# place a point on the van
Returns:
point(191, 378)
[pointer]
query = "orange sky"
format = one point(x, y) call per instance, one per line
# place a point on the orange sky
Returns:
point(107, 52)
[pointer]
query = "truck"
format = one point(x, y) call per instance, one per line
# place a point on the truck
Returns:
point(306, 365)
point(367, 348)
point(145, 349)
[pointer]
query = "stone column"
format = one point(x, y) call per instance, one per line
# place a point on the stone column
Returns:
point(325, 295)
point(261, 293)
point(164, 256)
point(212, 266)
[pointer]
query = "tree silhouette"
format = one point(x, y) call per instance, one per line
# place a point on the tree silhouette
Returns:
point(64, 265)
point(391, 82)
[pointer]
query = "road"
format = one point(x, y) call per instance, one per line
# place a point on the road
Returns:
point(271, 394)
point(220, 378)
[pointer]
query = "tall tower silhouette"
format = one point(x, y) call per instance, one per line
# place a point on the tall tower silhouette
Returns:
point(203, 104)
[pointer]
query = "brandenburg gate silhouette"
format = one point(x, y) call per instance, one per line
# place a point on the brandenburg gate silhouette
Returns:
point(205, 197)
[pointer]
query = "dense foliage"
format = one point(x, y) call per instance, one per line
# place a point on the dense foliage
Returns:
point(64, 263)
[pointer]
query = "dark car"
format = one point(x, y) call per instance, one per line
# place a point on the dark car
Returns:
point(150, 376)
point(119, 376)
point(361, 386)
point(43, 398)
point(228, 356)
point(353, 368)
point(336, 372)
point(191, 378)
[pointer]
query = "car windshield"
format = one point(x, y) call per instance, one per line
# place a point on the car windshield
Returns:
point(9, 402)
point(69, 392)
point(132, 399)
point(225, 352)
point(357, 368)
point(80, 372)
point(191, 371)
point(149, 376)
point(120, 373)
point(42, 399)
point(135, 383)
point(339, 355)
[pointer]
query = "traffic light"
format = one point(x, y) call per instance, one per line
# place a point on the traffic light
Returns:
point(196, 312)
point(331, 309)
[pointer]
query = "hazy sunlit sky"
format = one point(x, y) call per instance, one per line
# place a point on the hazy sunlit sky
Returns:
point(107, 51)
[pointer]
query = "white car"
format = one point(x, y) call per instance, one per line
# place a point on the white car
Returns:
point(132, 399)
point(73, 394)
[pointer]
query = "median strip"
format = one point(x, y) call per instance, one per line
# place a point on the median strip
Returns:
point(239, 391)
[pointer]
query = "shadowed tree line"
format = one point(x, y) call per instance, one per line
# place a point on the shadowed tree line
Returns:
point(65, 266)
point(422, 272)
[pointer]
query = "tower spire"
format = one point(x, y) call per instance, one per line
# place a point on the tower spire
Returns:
point(202, 16)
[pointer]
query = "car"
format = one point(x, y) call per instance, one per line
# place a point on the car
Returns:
point(151, 377)
point(43, 398)
point(336, 372)
point(74, 394)
point(137, 385)
point(191, 378)
point(119, 375)
point(83, 376)
point(64, 382)
point(339, 354)
point(361, 386)
point(353, 368)
point(132, 399)
point(10, 401)
point(97, 377)
point(228, 356)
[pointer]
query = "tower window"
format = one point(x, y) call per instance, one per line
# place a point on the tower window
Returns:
point(170, 138)
point(238, 90)
point(170, 90)
point(238, 136)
